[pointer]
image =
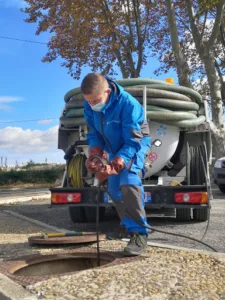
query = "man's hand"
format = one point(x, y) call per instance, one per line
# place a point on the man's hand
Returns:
point(113, 168)
point(93, 165)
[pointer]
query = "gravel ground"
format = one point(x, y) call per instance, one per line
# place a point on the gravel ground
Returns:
point(161, 274)
point(215, 237)
point(14, 234)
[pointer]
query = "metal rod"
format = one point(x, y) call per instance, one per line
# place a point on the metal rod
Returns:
point(206, 107)
point(188, 163)
point(145, 101)
point(97, 225)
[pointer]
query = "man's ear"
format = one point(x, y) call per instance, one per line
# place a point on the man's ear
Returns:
point(108, 90)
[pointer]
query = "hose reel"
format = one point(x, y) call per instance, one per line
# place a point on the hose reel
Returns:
point(76, 171)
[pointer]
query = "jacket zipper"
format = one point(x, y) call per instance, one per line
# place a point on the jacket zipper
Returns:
point(107, 141)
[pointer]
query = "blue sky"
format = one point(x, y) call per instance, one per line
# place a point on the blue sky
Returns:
point(30, 89)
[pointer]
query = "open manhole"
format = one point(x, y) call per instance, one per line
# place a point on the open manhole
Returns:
point(58, 264)
point(27, 270)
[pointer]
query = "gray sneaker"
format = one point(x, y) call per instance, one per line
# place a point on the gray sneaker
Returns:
point(136, 245)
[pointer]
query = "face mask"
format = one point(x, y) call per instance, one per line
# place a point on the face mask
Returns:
point(98, 107)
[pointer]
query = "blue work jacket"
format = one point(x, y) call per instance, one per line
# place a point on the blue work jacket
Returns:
point(119, 128)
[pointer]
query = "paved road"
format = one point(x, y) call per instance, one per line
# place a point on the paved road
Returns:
point(22, 192)
point(215, 236)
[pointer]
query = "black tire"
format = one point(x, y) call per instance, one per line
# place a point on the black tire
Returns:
point(77, 214)
point(222, 188)
point(90, 212)
point(201, 214)
point(183, 214)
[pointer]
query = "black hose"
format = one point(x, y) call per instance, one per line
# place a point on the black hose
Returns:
point(97, 213)
point(208, 190)
point(97, 225)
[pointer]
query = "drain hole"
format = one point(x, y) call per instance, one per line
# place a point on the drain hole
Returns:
point(59, 266)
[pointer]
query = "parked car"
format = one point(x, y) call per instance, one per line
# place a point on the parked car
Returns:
point(219, 174)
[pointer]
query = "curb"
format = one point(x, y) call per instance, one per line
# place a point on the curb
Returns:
point(13, 291)
point(39, 223)
point(24, 199)
point(219, 255)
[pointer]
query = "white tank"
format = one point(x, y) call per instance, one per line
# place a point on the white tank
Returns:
point(165, 139)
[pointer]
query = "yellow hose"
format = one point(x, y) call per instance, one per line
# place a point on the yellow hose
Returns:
point(74, 171)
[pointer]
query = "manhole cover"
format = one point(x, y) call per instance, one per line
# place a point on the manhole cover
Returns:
point(58, 264)
point(66, 240)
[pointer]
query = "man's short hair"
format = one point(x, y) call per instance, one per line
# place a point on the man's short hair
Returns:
point(93, 83)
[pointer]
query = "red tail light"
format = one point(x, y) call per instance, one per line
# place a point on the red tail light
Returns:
point(192, 197)
point(65, 198)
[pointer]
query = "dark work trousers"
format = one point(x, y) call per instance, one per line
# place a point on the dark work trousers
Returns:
point(128, 196)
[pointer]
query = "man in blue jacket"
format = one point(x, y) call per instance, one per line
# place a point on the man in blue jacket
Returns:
point(117, 126)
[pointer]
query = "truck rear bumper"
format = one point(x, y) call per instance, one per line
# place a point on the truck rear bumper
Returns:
point(156, 197)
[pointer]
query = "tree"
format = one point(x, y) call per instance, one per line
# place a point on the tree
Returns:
point(182, 67)
point(197, 40)
point(100, 34)
point(30, 163)
point(205, 48)
point(108, 33)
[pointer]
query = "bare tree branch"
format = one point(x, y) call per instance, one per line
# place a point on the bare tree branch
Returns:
point(194, 28)
point(203, 28)
point(114, 39)
point(181, 63)
point(182, 22)
point(128, 21)
point(136, 4)
point(222, 34)
point(219, 15)
point(222, 83)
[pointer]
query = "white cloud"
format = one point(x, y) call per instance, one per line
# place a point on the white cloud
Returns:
point(13, 3)
point(43, 122)
point(8, 99)
point(17, 140)
point(5, 107)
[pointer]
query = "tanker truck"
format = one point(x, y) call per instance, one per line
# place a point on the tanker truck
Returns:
point(176, 174)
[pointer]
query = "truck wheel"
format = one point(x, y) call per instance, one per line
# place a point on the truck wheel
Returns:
point(201, 214)
point(90, 213)
point(183, 214)
point(222, 188)
point(77, 214)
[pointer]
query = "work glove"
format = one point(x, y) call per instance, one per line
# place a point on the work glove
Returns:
point(93, 165)
point(112, 168)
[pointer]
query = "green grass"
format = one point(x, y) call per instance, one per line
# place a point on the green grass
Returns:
point(30, 176)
